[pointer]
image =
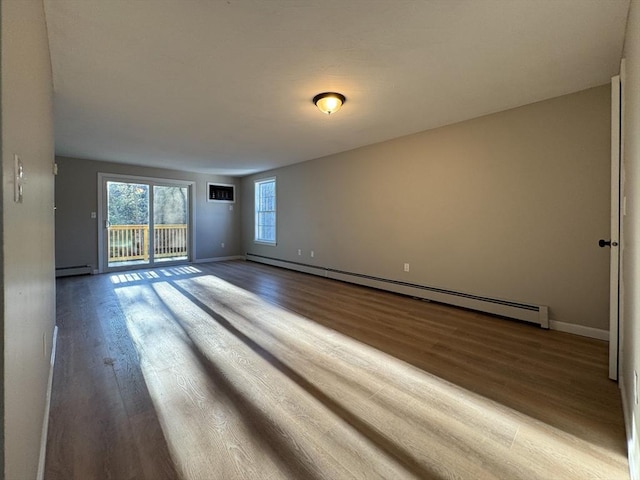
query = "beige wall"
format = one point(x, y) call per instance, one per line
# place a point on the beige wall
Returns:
point(509, 206)
point(28, 267)
point(77, 196)
point(631, 239)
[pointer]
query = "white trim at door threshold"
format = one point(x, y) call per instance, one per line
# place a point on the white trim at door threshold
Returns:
point(581, 330)
point(47, 407)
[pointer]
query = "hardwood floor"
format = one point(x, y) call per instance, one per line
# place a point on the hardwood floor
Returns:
point(236, 370)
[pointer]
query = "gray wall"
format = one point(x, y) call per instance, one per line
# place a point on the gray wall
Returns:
point(76, 194)
point(28, 266)
point(630, 360)
point(509, 206)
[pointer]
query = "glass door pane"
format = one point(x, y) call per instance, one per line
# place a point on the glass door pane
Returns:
point(170, 223)
point(127, 224)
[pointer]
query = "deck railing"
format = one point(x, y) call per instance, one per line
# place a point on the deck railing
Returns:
point(131, 242)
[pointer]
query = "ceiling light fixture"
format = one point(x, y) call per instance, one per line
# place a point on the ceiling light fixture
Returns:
point(329, 102)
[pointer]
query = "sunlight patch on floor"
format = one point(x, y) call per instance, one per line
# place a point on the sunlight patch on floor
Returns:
point(245, 389)
point(131, 277)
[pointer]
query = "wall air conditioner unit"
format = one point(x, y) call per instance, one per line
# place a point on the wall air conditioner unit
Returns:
point(221, 192)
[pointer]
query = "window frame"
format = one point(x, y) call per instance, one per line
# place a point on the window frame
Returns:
point(256, 211)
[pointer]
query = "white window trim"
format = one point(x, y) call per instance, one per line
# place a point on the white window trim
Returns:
point(275, 212)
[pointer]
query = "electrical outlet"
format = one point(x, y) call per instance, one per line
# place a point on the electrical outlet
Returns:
point(222, 244)
point(312, 254)
point(406, 267)
point(299, 252)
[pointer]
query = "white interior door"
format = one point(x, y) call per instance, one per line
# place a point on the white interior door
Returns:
point(615, 239)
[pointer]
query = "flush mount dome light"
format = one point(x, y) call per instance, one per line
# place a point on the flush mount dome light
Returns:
point(329, 102)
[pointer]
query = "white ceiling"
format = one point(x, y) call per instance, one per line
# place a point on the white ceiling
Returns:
point(225, 86)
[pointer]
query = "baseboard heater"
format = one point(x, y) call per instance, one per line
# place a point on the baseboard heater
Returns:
point(70, 271)
point(538, 314)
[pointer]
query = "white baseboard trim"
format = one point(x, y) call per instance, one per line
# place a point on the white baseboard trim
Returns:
point(579, 330)
point(47, 407)
point(633, 451)
point(218, 259)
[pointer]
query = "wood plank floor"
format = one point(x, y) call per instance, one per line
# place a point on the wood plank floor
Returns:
point(236, 370)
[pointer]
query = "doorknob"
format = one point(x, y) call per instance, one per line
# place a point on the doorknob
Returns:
point(607, 243)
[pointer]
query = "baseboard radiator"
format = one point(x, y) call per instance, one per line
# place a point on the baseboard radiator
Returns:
point(76, 270)
point(538, 314)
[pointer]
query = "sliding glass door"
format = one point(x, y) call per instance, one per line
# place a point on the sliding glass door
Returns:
point(127, 224)
point(170, 223)
point(146, 222)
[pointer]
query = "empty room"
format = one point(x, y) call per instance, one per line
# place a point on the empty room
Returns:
point(282, 239)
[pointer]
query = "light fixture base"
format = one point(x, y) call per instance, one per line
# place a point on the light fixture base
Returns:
point(329, 102)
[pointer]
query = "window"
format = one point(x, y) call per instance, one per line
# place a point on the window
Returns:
point(265, 230)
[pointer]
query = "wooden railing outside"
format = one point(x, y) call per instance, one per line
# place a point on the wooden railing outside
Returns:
point(170, 241)
point(131, 242)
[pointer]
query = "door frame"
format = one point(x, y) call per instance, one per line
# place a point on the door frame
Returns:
point(614, 254)
point(618, 213)
point(151, 181)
